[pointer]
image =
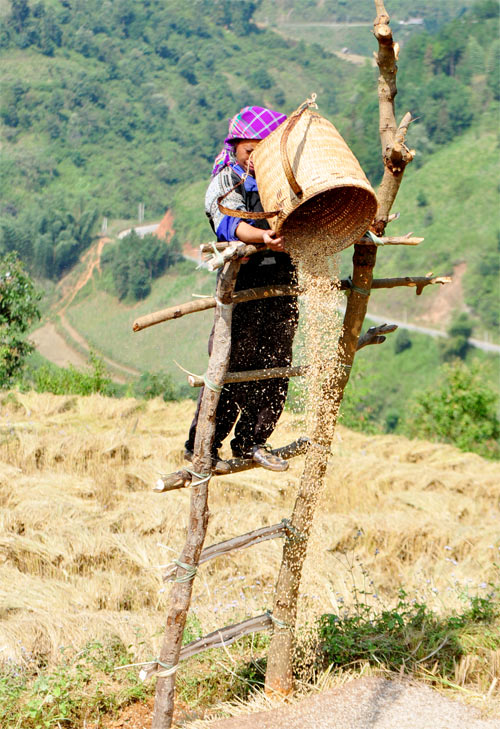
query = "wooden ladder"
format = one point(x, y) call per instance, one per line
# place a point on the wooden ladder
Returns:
point(295, 531)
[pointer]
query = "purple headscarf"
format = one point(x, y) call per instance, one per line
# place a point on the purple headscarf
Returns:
point(252, 122)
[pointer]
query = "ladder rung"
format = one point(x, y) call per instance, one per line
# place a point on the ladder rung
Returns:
point(231, 545)
point(181, 479)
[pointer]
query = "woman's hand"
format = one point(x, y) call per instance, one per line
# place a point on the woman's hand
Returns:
point(275, 244)
point(249, 234)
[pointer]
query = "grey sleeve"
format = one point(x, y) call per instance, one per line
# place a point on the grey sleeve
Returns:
point(221, 184)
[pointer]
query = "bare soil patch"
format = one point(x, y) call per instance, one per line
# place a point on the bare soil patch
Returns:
point(448, 299)
point(53, 347)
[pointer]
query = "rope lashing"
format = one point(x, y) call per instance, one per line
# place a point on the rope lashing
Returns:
point(203, 477)
point(190, 569)
point(278, 623)
point(218, 257)
point(374, 238)
point(295, 535)
point(169, 669)
point(221, 304)
point(211, 385)
point(352, 287)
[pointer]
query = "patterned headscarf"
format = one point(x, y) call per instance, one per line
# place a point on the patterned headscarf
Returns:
point(252, 122)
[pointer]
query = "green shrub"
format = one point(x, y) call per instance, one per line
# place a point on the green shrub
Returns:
point(460, 409)
point(18, 310)
point(155, 384)
point(71, 380)
point(76, 691)
point(402, 341)
point(405, 636)
point(457, 344)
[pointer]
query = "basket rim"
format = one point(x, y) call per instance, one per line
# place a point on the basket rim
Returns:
point(371, 200)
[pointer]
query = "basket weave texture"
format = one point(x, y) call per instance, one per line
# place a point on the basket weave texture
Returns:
point(337, 204)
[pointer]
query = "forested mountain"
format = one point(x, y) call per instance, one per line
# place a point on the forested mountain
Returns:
point(105, 105)
point(108, 104)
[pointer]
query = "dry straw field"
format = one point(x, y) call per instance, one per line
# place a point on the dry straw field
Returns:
point(83, 537)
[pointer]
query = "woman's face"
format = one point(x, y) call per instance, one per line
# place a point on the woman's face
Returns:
point(242, 151)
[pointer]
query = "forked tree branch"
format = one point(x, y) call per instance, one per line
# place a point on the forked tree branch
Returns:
point(279, 674)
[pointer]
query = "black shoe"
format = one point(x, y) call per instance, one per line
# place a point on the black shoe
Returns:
point(218, 465)
point(263, 456)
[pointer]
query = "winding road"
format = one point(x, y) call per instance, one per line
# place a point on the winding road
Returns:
point(478, 343)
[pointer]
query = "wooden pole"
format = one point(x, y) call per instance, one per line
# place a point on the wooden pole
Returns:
point(394, 240)
point(264, 292)
point(279, 677)
point(180, 597)
point(174, 312)
point(222, 637)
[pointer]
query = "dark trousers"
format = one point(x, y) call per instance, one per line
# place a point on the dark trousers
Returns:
point(261, 337)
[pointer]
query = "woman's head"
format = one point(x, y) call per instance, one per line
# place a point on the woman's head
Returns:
point(250, 124)
point(242, 149)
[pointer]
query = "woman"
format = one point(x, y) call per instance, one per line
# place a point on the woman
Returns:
point(262, 331)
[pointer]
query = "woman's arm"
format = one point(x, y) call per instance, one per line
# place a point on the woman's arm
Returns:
point(227, 228)
point(248, 234)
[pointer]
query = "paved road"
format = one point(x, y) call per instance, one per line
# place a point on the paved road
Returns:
point(141, 230)
point(366, 703)
point(479, 343)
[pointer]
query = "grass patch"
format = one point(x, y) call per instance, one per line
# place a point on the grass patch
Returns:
point(411, 636)
point(81, 688)
point(154, 349)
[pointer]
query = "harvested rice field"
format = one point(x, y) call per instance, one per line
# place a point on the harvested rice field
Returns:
point(84, 540)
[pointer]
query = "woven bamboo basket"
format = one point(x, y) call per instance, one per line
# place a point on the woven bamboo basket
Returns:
point(310, 179)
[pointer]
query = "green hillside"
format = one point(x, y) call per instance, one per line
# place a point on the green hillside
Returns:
point(96, 313)
point(384, 381)
point(105, 106)
point(450, 202)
